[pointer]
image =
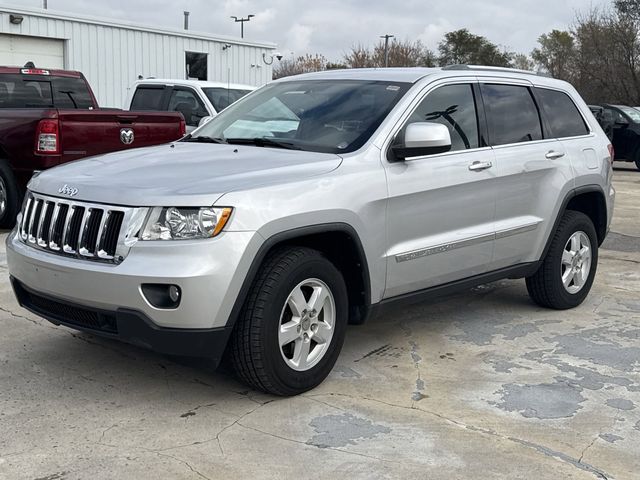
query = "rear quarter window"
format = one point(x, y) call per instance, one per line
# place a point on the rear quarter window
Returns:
point(562, 114)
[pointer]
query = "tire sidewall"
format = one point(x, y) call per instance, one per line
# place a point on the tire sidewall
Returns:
point(290, 380)
point(579, 222)
point(8, 218)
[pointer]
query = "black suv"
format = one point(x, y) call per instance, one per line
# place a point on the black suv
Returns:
point(622, 126)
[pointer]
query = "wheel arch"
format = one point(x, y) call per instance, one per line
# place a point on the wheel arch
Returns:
point(340, 243)
point(587, 199)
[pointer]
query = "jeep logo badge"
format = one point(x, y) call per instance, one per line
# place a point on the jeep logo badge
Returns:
point(68, 191)
point(126, 136)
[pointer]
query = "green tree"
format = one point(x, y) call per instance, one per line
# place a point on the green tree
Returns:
point(463, 47)
point(556, 54)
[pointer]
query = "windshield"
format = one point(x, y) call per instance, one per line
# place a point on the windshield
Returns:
point(333, 116)
point(631, 113)
point(221, 98)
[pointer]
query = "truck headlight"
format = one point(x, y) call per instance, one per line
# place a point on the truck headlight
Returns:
point(178, 223)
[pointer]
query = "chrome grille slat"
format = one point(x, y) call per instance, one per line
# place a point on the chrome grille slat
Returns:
point(33, 221)
point(25, 219)
point(52, 227)
point(76, 229)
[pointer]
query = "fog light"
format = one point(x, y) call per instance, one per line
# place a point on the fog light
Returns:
point(162, 295)
point(174, 293)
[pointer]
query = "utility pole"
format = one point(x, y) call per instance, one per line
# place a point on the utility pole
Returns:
point(386, 48)
point(242, 20)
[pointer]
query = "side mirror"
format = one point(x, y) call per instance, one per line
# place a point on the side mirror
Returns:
point(423, 138)
point(204, 121)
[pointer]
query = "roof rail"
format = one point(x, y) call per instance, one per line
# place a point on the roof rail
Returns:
point(494, 69)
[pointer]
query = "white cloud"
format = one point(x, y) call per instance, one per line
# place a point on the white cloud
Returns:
point(331, 27)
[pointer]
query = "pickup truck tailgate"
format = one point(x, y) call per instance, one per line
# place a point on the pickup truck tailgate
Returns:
point(90, 132)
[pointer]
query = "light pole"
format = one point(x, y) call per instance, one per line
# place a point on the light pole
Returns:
point(242, 20)
point(386, 48)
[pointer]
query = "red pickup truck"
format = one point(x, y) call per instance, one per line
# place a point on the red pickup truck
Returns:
point(49, 117)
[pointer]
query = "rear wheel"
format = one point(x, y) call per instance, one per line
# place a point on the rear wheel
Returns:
point(292, 326)
point(565, 277)
point(638, 162)
point(9, 196)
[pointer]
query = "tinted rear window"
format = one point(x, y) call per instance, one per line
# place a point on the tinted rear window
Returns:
point(562, 114)
point(511, 113)
point(26, 91)
point(147, 98)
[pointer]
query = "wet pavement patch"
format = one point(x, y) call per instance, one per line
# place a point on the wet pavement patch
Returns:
point(621, 403)
point(611, 438)
point(543, 401)
point(334, 431)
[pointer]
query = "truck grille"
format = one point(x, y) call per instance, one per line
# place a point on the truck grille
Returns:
point(75, 229)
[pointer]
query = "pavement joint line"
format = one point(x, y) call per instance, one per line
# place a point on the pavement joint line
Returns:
point(560, 456)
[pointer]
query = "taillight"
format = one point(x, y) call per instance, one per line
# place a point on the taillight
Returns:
point(48, 137)
point(612, 153)
point(183, 128)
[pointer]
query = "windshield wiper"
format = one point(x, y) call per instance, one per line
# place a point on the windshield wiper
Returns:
point(203, 139)
point(263, 142)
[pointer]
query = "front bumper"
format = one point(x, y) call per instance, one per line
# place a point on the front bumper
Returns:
point(129, 326)
point(209, 272)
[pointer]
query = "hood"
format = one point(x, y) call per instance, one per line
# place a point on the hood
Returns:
point(180, 174)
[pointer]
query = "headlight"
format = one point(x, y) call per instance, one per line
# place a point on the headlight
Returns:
point(184, 223)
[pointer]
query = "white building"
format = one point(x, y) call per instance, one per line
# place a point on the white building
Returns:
point(113, 54)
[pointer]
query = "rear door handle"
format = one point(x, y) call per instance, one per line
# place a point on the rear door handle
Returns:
point(478, 166)
point(551, 155)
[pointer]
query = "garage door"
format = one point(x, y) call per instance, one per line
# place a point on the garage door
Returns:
point(16, 50)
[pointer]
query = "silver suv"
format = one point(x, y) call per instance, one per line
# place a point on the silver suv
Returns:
point(314, 202)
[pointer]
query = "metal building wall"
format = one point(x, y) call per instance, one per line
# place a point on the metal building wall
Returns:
point(112, 55)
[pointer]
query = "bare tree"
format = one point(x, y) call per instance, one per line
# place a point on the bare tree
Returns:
point(403, 53)
point(301, 64)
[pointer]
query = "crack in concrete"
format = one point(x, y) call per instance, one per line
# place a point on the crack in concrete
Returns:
point(184, 462)
point(535, 446)
point(15, 315)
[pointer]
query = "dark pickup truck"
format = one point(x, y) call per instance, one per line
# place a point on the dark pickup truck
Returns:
point(50, 117)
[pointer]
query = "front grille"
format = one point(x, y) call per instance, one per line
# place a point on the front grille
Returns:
point(66, 313)
point(78, 229)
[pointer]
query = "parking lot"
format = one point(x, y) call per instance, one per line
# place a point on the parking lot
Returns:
point(480, 385)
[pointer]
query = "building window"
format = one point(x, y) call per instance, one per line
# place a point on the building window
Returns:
point(196, 65)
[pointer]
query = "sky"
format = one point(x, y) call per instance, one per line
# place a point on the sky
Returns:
point(331, 27)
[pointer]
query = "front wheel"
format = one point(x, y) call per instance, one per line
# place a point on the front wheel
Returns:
point(565, 277)
point(293, 324)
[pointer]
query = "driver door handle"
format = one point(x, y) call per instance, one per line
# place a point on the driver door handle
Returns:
point(478, 166)
point(553, 155)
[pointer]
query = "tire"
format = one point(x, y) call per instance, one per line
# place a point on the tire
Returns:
point(9, 196)
point(638, 162)
point(268, 320)
point(546, 286)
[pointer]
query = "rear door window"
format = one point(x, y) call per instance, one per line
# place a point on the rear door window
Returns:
point(148, 98)
point(562, 114)
point(512, 114)
point(71, 92)
point(185, 101)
